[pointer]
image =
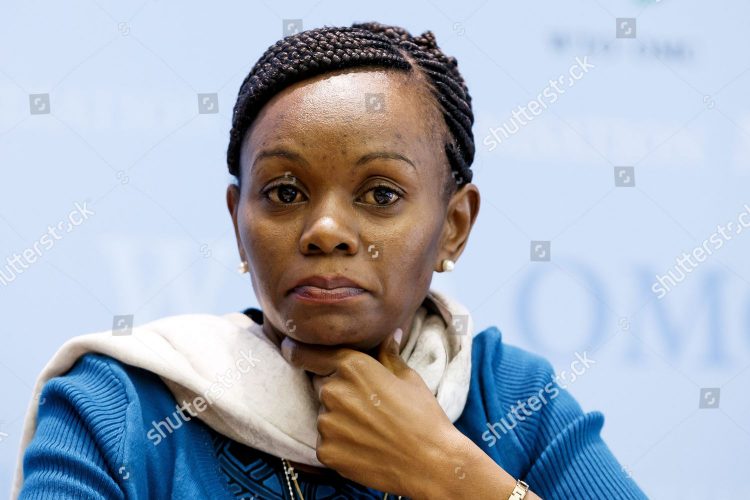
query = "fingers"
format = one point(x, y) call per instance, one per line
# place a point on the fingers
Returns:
point(321, 360)
point(327, 360)
point(330, 392)
point(318, 381)
point(389, 352)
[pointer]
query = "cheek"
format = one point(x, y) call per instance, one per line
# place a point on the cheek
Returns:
point(409, 257)
point(268, 246)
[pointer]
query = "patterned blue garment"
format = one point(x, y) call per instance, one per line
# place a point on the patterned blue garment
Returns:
point(255, 475)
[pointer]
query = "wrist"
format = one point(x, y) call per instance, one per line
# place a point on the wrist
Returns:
point(466, 471)
point(437, 474)
point(453, 465)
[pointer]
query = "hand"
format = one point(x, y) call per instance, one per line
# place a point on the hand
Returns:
point(379, 424)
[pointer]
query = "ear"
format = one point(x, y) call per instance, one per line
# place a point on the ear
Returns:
point(460, 216)
point(233, 203)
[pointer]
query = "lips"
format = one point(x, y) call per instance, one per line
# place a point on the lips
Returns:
point(328, 282)
point(322, 295)
point(327, 289)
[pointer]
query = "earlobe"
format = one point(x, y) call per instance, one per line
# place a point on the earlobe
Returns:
point(448, 265)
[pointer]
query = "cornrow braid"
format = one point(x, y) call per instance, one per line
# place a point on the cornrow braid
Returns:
point(313, 52)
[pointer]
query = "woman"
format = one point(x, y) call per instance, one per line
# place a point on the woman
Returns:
point(352, 149)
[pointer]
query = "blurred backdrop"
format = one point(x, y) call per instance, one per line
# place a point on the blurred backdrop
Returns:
point(613, 158)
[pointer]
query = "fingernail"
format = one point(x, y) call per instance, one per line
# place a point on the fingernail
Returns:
point(286, 347)
point(397, 335)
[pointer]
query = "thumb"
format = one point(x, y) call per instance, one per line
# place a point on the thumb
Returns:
point(389, 352)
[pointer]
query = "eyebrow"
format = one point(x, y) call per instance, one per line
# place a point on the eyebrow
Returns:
point(291, 155)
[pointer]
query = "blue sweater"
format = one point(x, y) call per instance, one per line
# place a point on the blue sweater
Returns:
point(91, 439)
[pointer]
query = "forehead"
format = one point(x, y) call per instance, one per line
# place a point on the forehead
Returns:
point(352, 110)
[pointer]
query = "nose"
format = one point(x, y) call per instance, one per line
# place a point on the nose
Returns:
point(330, 227)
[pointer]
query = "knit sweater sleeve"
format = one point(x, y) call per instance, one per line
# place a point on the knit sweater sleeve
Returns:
point(73, 453)
point(568, 457)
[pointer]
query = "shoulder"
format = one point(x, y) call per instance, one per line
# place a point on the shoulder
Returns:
point(98, 382)
point(106, 402)
point(534, 424)
point(531, 401)
point(111, 400)
point(94, 383)
point(510, 363)
point(91, 432)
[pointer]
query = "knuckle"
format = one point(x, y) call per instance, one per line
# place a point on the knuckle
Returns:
point(324, 424)
point(352, 364)
point(323, 454)
point(327, 394)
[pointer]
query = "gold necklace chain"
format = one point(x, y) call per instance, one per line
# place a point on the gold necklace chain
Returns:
point(290, 473)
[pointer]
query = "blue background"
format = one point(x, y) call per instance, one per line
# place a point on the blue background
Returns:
point(125, 135)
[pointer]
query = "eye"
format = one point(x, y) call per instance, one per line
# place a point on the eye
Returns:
point(284, 193)
point(383, 195)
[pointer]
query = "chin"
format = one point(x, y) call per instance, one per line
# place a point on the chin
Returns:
point(332, 336)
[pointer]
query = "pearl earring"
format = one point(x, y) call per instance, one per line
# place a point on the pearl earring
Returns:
point(243, 267)
point(448, 265)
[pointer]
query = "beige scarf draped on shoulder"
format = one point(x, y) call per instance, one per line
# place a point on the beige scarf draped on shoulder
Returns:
point(227, 362)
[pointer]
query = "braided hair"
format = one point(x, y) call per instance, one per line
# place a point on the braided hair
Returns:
point(313, 52)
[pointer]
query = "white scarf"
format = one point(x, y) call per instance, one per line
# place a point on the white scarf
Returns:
point(256, 397)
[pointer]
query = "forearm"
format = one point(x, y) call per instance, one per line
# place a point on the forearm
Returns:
point(468, 472)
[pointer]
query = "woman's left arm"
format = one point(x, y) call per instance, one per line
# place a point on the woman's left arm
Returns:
point(381, 426)
point(475, 476)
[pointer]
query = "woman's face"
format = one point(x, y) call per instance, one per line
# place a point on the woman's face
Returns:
point(342, 175)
